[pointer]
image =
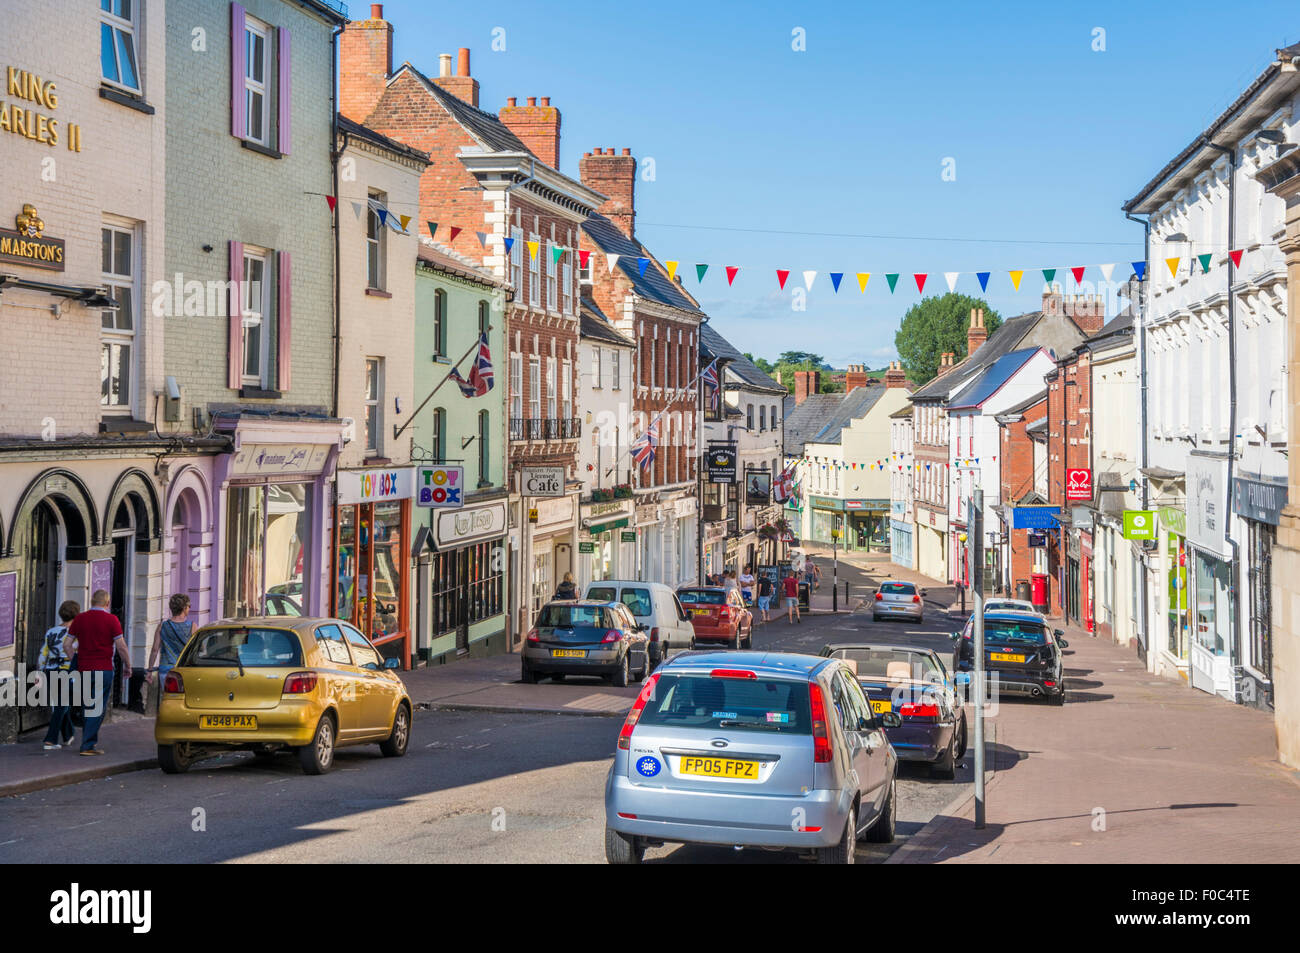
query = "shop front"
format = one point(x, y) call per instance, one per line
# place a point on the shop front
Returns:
point(1258, 501)
point(901, 536)
point(827, 515)
point(932, 543)
point(868, 526)
point(1213, 586)
point(551, 546)
point(715, 547)
point(462, 581)
point(371, 556)
point(607, 544)
point(1173, 654)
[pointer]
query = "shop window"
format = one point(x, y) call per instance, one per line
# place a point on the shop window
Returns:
point(467, 587)
point(1262, 538)
point(118, 328)
point(118, 65)
point(267, 544)
point(371, 575)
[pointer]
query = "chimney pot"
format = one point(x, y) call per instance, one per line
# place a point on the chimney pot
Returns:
point(627, 152)
point(376, 11)
point(510, 101)
point(546, 100)
point(532, 100)
point(462, 64)
point(444, 64)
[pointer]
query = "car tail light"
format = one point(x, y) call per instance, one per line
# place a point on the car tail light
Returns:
point(810, 830)
point(654, 634)
point(1049, 684)
point(532, 636)
point(880, 597)
point(613, 635)
point(724, 614)
point(911, 710)
point(916, 598)
point(630, 817)
point(634, 715)
point(299, 683)
point(822, 753)
point(732, 673)
point(173, 684)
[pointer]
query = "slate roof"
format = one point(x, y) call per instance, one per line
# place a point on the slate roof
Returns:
point(1036, 427)
point(821, 418)
point(655, 285)
point(1001, 342)
point(594, 325)
point(359, 131)
point(1114, 332)
point(993, 378)
point(441, 258)
point(487, 129)
point(714, 345)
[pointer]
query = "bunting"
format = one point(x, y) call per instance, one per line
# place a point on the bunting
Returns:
point(863, 278)
point(433, 233)
point(454, 232)
point(613, 260)
point(1205, 262)
point(951, 278)
point(699, 272)
point(893, 280)
point(331, 201)
point(732, 271)
point(1139, 269)
point(1078, 274)
point(641, 264)
point(1015, 278)
point(920, 282)
point(1236, 257)
point(1173, 266)
point(583, 255)
point(557, 252)
point(836, 276)
point(532, 247)
point(781, 276)
point(808, 278)
point(672, 270)
point(508, 242)
point(1107, 271)
point(983, 276)
point(482, 239)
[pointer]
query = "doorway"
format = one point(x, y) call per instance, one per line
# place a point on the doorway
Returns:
point(45, 548)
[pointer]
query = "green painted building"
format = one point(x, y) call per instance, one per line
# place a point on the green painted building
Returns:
point(462, 557)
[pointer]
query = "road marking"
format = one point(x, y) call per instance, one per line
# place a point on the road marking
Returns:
point(600, 702)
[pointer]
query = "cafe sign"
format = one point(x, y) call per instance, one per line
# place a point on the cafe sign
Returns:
point(26, 243)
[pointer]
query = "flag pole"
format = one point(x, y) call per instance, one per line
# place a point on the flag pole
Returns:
point(665, 410)
point(397, 431)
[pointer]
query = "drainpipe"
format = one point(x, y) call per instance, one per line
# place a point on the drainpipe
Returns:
point(1235, 650)
point(335, 152)
point(1144, 633)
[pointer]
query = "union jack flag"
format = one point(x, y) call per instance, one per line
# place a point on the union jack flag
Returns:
point(710, 377)
point(480, 375)
point(643, 448)
point(783, 485)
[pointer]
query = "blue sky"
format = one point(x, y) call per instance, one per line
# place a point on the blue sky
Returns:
point(831, 158)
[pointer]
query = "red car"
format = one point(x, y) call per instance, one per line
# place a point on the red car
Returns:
point(718, 615)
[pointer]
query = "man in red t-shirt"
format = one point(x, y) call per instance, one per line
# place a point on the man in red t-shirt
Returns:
point(98, 634)
point(791, 589)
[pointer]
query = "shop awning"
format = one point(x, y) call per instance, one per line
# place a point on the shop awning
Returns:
point(605, 527)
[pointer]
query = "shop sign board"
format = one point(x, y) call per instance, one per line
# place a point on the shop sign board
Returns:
point(586, 547)
point(101, 575)
point(628, 536)
point(720, 462)
point(1257, 499)
point(1207, 502)
point(1037, 540)
point(455, 528)
point(541, 481)
point(438, 487)
point(277, 459)
point(374, 486)
point(8, 607)
point(1035, 517)
point(1173, 519)
point(1139, 524)
point(1078, 483)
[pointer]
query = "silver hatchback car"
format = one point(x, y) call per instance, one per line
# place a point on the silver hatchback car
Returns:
point(745, 749)
point(898, 600)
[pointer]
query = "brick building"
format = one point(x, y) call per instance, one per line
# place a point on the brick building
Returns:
point(1023, 485)
point(495, 196)
point(633, 288)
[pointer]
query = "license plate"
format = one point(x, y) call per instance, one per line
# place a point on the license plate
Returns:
point(881, 706)
point(700, 611)
point(229, 722)
point(568, 653)
point(1005, 657)
point(720, 768)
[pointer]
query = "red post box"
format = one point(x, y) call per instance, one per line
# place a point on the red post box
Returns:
point(1039, 597)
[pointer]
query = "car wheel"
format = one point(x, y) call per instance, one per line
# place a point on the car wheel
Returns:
point(735, 643)
point(945, 768)
point(557, 677)
point(961, 748)
point(528, 676)
point(692, 645)
point(1058, 699)
point(749, 637)
point(394, 746)
point(175, 759)
point(622, 848)
point(874, 617)
point(846, 850)
point(882, 832)
point(619, 680)
point(640, 673)
point(318, 757)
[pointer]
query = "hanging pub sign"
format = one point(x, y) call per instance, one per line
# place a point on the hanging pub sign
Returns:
point(720, 461)
point(1037, 540)
point(26, 243)
point(440, 487)
point(758, 487)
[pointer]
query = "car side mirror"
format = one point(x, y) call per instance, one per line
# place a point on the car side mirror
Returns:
point(954, 636)
point(1062, 643)
point(890, 719)
point(392, 663)
point(1058, 632)
point(924, 592)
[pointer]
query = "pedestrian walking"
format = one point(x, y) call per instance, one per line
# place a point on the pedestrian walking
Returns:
point(812, 575)
point(56, 662)
point(791, 587)
point(729, 580)
point(170, 638)
point(566, 589)
point(747, 585)
point(765, 590)
point(98, 635)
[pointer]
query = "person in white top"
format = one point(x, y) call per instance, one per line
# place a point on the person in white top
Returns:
point(747, 584)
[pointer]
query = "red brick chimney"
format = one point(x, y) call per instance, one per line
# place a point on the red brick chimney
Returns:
point(976, 334)
point(538, 125)
point(856, 377)
point(1088, 311)
point(365, 63)
point(896, 376)
point(463, 86)
point(945, 364)
point(805, 383)
point(615, 177)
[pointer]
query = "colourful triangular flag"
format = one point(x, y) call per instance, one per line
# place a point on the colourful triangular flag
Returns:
point(356, 209)
point(557, 252)
point(482, 239)
point(672, 269)
point(1049, 275)
point(508, 242)
point(1015, 278)
point(1107, 271)
point(1205, 262)
point(331, 201)
point(732, 271)
point(983, 276)
point(1139, 269)
point(863, 278)
point(612, 260)
point(781, 275)
point(454, 232)
point(836, 277)
point(1173, 265)
point(699, 272)
point(920, 282)
point(808, 278)
point(1078, 273)
point(583, 255)
point(433, 232)
point(641, 264)
point(1236, 257)
point(893, 280)
point(951, 278)
point(532, 250)
point(383, 215)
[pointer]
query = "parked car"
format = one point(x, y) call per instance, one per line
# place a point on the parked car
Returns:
point(655, 606)
point(718, 615)
point(999, 604)
point(913, 682)
point(898, 600)
point(1021, 648)
point(774, 751)
point(586, 637)
point(266, 684)
point(277, 603)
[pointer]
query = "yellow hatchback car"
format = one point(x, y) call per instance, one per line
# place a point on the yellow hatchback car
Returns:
point(266, 684)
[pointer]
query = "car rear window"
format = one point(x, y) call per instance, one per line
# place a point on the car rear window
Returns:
point(898, 588)
point(1005, 607)
point(702, 597)
point(1026, 632)
point(702, 701)
point(564, 617)
point(890, 663)
point(602, 593)
point(251, 648)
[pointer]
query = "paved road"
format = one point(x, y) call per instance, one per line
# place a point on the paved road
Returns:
point(479, 787)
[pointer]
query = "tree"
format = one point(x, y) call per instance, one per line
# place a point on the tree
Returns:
point(762, 363)
point(815, 362)
point(935, 326)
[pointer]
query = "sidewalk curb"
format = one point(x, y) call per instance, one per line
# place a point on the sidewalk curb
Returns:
point(916, 843)
point(520, 710)
point(16, 788)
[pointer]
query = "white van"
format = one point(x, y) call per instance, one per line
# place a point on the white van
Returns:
point(655, 606)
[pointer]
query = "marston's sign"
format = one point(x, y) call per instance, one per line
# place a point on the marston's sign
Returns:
point(27, 246)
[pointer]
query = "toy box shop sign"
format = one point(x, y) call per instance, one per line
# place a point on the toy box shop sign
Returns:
point(440, 487)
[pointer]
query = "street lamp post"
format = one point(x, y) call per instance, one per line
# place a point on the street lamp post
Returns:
point(835, 572)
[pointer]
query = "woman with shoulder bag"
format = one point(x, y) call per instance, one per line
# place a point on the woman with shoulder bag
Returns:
point(57, 657)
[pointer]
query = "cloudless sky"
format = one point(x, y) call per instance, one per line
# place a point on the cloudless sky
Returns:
point(831, 159)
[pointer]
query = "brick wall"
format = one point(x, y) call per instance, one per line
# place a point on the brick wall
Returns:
point(1017, 452)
